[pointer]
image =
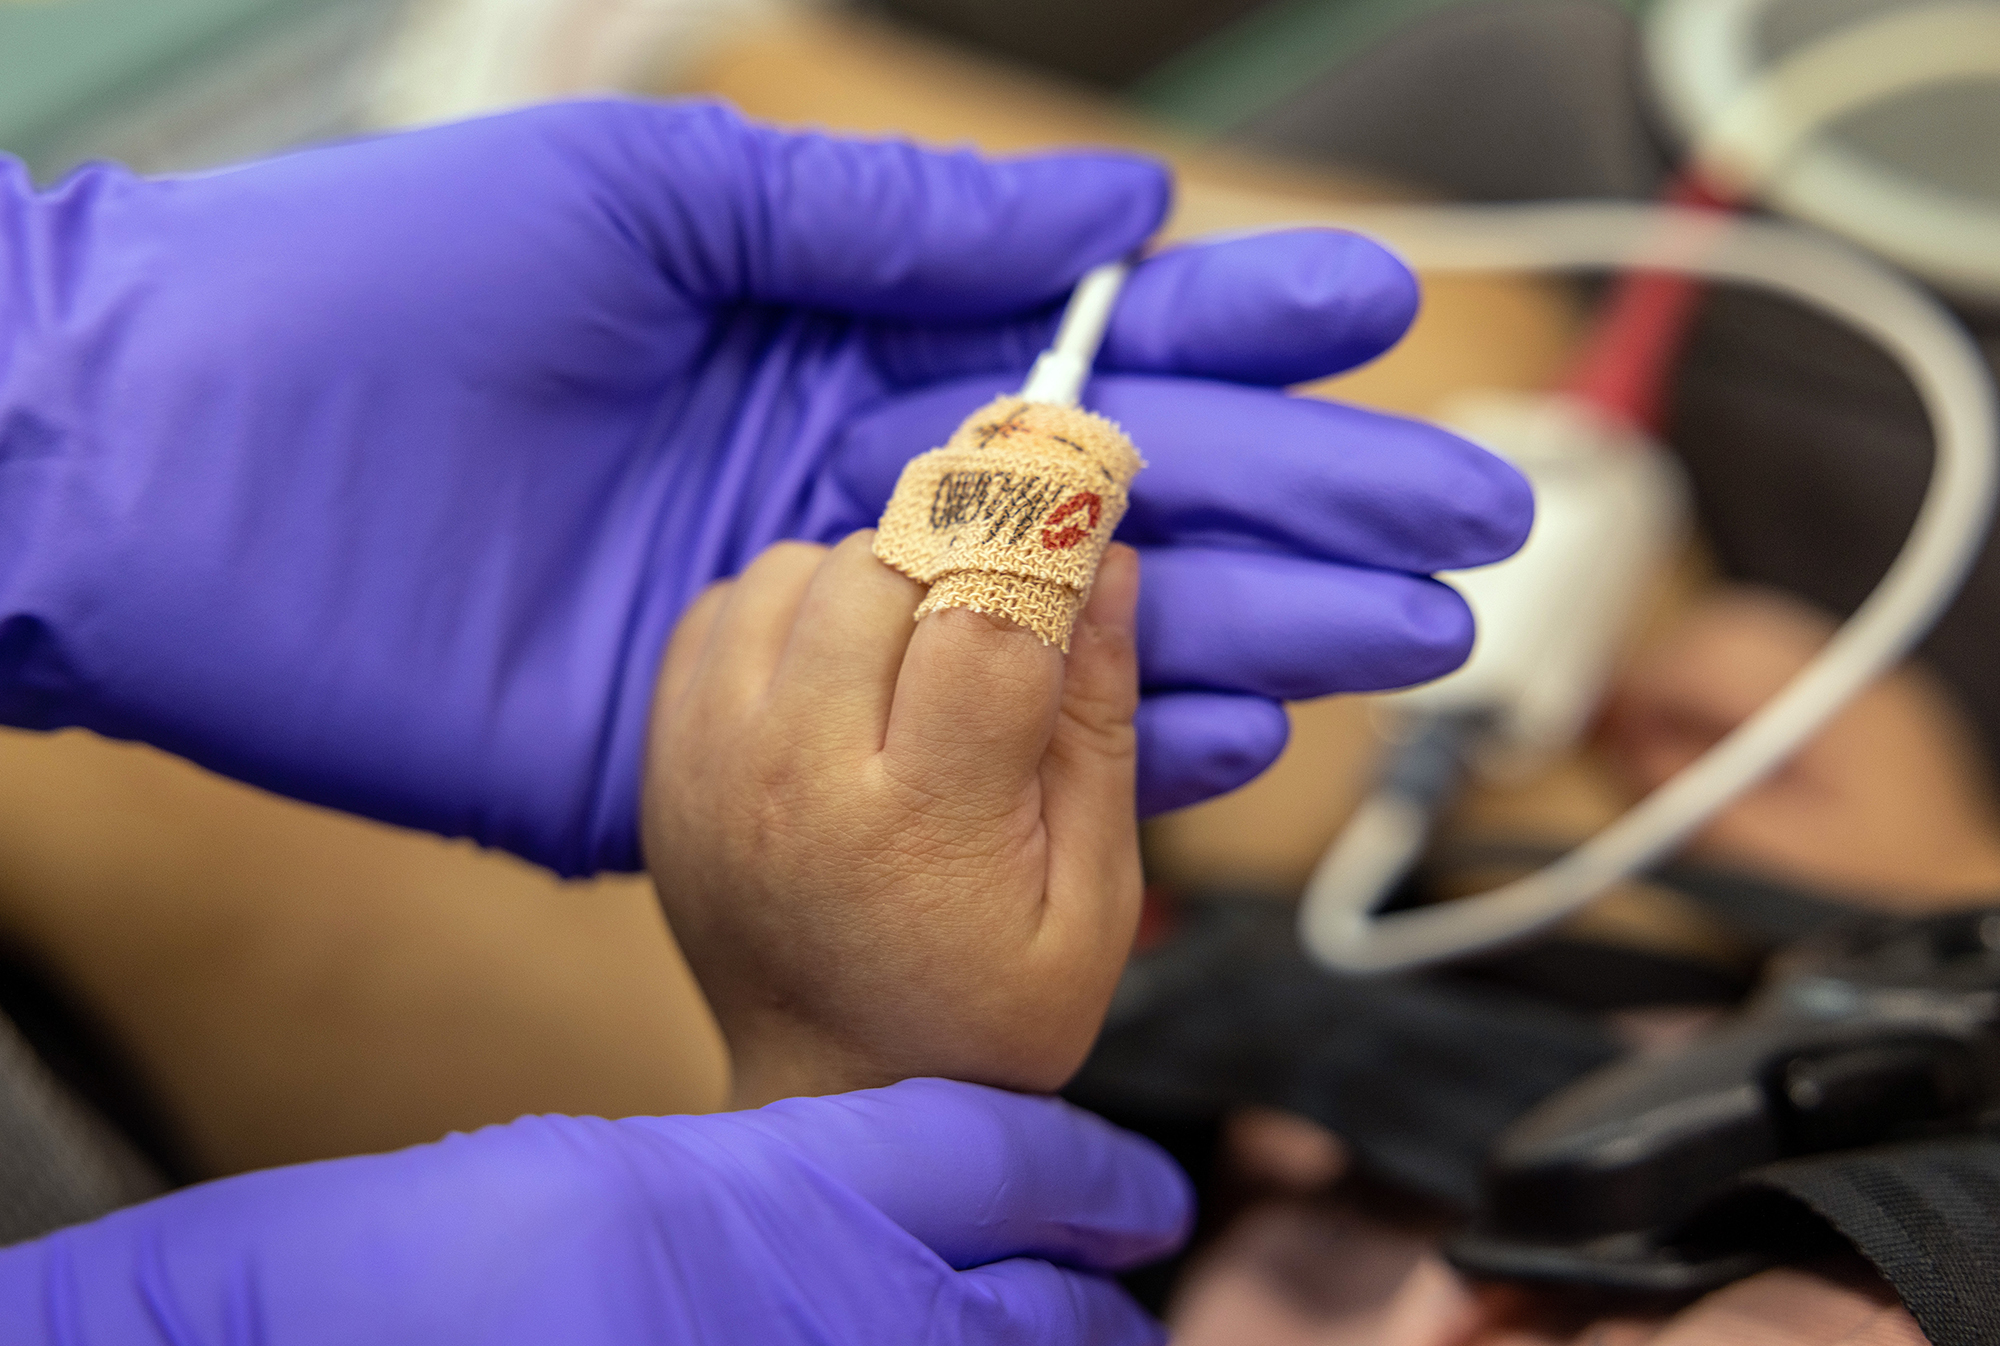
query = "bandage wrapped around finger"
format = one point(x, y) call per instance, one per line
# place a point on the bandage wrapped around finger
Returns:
point(1013, 514)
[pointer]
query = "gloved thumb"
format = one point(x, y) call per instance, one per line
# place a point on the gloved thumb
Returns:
point(982, 1175)
point(738, 213)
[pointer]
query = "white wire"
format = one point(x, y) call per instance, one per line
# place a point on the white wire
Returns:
point(1756, 135)
point(1950, 378)
point(1379, 844)
point(1062, 370)
point(1757, 128)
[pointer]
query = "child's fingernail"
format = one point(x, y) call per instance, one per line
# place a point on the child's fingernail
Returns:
point(1114, 598)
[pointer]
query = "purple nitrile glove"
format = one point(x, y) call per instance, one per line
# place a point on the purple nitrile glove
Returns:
point(378, 474)
point(934, 1212)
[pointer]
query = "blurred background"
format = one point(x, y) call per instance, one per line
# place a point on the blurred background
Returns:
point(218, 980)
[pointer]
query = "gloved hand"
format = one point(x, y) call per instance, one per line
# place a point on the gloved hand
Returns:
point(377, 474)
point(928, 1211)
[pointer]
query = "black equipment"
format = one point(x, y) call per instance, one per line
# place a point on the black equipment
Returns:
point(1656, 1174)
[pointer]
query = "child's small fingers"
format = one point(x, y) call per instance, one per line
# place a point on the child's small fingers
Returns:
point(1101, 679)
point(975, 703)
point(1089, 773)
point(838, 673)
point(751, 629)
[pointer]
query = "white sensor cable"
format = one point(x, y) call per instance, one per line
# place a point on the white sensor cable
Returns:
point(1758, 129)
point(1754, 138)
point(1061, 371)
point(1763, 127)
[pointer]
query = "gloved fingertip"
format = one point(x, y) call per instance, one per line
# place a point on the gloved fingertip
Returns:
point(1494, 512)
point(1274, 309)
point(1477, 508)
point(1360, 297)
point(1437, 635)
point(1149, 186)
point(873, 227)
point(1075, 210)
point(974, 237)
point(1197, 745)
point(1136, 189)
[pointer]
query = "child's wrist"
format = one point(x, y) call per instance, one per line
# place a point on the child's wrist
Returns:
point(803, 1065)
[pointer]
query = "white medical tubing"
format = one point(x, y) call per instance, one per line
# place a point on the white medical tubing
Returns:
point(1752, 128)
point(1793, 102)
point(1062, 370)
point(1757, 127)
point(1950, 378)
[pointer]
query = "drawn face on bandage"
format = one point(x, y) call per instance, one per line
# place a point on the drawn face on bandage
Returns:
point(1013, 514)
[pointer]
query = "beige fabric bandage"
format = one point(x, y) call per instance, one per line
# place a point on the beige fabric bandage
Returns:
point(1013, 514)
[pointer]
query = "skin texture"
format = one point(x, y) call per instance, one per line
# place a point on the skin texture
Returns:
point(894, 848)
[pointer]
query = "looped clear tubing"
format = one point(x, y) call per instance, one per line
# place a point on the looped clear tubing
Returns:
point(1758, 129)
point(1950, 378)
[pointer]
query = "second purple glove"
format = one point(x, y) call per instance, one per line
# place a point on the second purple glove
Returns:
point(929, 1212)
point(378, 474)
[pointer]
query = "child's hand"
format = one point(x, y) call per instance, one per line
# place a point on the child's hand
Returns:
point(889, 848)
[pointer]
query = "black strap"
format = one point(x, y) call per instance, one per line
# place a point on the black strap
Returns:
point(1418, 1075)
point(1927, 1214)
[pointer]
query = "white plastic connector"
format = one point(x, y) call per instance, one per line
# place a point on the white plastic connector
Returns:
point(1610, 508)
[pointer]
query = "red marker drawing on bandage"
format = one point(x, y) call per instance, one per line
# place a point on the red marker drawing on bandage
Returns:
point(1062, 539)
